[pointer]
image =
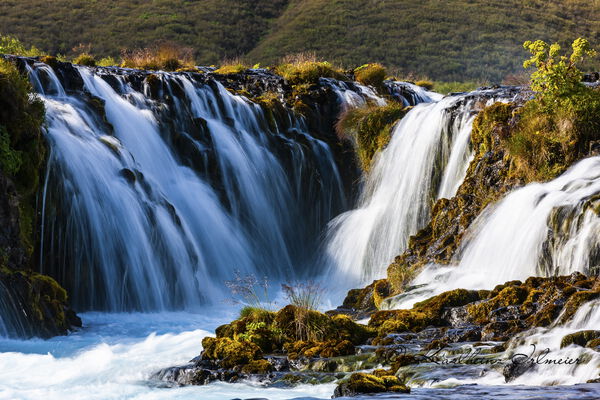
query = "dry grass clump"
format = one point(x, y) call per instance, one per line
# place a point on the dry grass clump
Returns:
point(165, 56)
point(232, 66)
point(307, 68)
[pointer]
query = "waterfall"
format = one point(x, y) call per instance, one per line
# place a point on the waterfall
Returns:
point(426, 159)
point(542, 229)
point(158, 191)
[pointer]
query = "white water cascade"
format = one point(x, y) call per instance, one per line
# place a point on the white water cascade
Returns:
point(153, 204)
point(542, 229)
point(426, 159)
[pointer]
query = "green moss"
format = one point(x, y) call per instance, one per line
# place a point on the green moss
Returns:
point(371, 127)
point(257, 367)
point(363, 383)
point(231, 69)
point(228, 352)
point(371, 74)
point(21, 144)
point(426, 84)
point(486, 122)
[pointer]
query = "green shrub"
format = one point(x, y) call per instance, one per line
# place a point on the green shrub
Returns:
point(12, 45)
point(371, 128)
point(370, 74)
point(556, 75)
point(85, 59)
point(556, 128)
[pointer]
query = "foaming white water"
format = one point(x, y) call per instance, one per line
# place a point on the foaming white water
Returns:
point(113, 357)
point(426, 159)
point(542, 229)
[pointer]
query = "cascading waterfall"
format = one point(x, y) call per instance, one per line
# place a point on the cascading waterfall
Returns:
point(152, 204)
point(542, 229)
point(426, 159)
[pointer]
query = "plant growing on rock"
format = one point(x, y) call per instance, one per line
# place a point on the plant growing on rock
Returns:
point(556, 75)
point(166, 56)
point(555, 128)
point(12, 45)
point(371, 74)
point(370, 127)
point(250, 291)
point(306, 68)
point(85, 59)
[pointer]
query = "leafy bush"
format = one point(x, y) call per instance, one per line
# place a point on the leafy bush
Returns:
point(85, 59)
point(370, 127)
point(556, 75)
point(370, 74)
point(556, 128)
point(12, 45)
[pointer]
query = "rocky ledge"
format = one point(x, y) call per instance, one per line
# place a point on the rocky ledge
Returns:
point(396, 347)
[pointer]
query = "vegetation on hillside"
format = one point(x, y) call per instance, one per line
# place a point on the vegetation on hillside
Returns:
point(554, 129)
point(451, 41)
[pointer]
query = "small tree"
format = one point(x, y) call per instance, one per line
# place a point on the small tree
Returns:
point(556, 75)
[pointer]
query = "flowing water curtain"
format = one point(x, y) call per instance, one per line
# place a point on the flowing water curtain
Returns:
point(542, 229)
point(426, 159)
point(153, 203)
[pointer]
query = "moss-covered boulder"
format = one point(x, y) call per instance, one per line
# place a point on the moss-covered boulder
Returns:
point(229, 353)
point(362, 383)
point(423, 314)
point(365, 301)
point(582, 338)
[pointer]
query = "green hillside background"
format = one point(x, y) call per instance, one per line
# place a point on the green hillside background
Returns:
point(442, 39)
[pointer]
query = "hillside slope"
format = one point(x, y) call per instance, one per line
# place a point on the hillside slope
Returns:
point(443, 39)
point(216, 29)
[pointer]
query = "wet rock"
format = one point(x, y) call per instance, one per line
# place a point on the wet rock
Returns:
point(582, 338)
point(361, 383)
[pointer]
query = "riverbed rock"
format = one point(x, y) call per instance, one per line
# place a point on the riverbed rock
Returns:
point(362, 383)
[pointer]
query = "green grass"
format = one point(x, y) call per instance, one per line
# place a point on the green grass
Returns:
point(453, 40)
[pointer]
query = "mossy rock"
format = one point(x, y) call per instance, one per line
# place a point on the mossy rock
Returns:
point(362, 383)
point(576, 301)
point(371, 74)
point(581, 338)
point(368, 299)
point(230, 353)
point(258, 367)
